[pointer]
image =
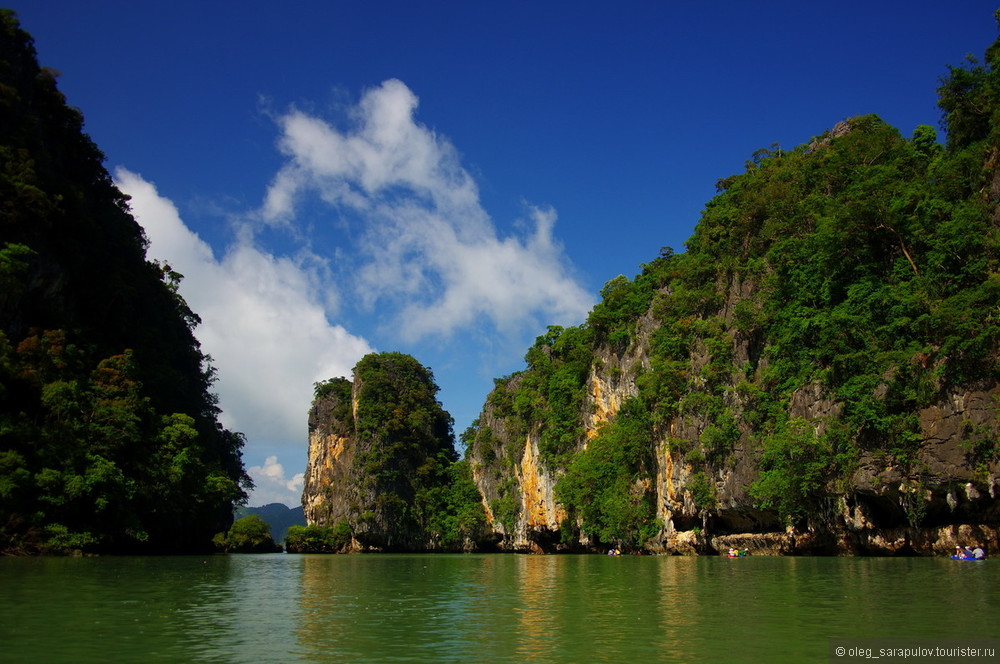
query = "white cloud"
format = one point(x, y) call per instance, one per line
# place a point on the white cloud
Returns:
point(263, 321)
point(416, 247)
point(272, 486)
point(428, 247)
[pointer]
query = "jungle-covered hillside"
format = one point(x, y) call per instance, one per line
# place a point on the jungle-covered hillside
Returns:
point(824, 356)
point(109, 432)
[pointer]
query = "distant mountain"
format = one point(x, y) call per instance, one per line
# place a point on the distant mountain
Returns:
point(277, 515)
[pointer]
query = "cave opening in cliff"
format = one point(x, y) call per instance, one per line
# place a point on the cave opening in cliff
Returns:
point(881, 512)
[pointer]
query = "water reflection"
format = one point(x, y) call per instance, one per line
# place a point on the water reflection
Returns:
point(535, 610)
point(495, 608)
point(393, 607)
point(242, 610)
point(677, 611)
point(132, 609)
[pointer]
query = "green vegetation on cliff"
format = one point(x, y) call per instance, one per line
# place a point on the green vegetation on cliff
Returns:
point(109, 437)
point(319, 539)
point(406, 488)
point(405, 444)
point(602, 487)
point(861, 268)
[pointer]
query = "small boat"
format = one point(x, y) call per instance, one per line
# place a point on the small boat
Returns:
point(969, 560)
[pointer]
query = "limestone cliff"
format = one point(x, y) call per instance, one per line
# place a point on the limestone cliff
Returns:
point(329, 477)
point(380, 455)
point(940, 498)
point(818, 373)
point(812, 376)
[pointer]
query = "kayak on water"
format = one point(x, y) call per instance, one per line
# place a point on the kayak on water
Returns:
point(965, 553)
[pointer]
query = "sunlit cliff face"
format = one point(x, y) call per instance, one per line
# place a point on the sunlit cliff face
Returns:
point(327, 454)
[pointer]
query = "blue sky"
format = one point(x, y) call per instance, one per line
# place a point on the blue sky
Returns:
point(446, 179)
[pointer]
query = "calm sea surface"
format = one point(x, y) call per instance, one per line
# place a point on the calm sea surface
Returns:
point(481, 608)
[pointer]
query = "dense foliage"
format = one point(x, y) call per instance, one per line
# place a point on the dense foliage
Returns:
point(453, 511)
point(339, 391)
point(411, 490)
point(319, 539)
point(606, 487)
point(405, 440)
point(249, 534)
point(862, 267)
point(109, 438)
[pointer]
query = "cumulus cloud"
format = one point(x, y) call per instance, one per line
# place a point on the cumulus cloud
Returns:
point(271, 485)
point(427, 246)
point(414, 246)
point(263, 320)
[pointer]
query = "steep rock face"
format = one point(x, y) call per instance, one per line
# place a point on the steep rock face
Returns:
point(518, 498)
point(945, 496)
point(516, 484)
point(338, 487)
point(612, 379)
point(786, 407)
point(327, 493)
point(941, 499)
point(381, 460)
point(515, 489)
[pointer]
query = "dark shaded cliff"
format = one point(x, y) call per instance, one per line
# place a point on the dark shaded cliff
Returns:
point(109, 435)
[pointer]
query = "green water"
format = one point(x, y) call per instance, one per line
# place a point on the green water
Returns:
point(480, 608)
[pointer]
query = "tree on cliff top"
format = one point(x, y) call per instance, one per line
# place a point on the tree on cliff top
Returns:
point(109, 433)
point(406, 489)
point(406, 440)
